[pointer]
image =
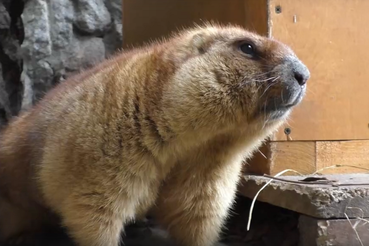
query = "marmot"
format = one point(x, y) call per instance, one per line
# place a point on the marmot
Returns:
point(165, 127)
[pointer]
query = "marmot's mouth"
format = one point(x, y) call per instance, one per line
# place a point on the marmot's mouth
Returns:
point(276, 107)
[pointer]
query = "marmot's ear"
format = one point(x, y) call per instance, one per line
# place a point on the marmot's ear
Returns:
point(201, 41)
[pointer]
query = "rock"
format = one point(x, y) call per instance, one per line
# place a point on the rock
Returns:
point(92, 16)
point(114, 38)
point(27, 97)
point(322, 232)
point(42, 74)
point(85, 52)
point(11, 33)
point(43, 42)
point(5, 112)
point(61, 23)
point(37, 42)
point(63, 37)
point(316, 200)
point(4, 17)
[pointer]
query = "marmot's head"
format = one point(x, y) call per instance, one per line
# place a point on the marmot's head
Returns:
point(228, 75)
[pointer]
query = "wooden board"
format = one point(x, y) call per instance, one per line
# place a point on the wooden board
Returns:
point(308, 157)
point(331, 37)
point(354, 153)
point(299, 156)
point(146, 20)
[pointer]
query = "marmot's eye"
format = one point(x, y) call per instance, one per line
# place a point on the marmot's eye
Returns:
point(248, 49)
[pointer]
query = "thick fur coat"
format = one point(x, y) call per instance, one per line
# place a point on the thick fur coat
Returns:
point(164, 127)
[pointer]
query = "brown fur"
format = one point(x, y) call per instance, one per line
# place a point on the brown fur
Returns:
point(164, 127)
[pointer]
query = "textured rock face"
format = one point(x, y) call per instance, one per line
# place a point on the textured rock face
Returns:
point(11, 36)
point(43, 42)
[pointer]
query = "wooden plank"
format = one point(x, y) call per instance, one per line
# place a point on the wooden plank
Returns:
point(299, 156)
point(260, 162)
point(145, 20)
point(331, 37)
point(308, 157)
point(257, 16)
point(353, 153)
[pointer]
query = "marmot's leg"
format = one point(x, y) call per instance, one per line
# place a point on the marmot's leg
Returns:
point(194, 204)
point(99, 220)
point(92, 223)
point(18, 226)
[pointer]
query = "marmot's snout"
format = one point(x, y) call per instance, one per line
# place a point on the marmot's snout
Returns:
point(301, 73)
point(294, 78)
point(293, 75)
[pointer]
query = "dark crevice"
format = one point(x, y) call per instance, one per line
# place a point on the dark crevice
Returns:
point(16, 25)
point(11, 63)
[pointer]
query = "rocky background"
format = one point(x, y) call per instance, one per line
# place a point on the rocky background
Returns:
point(42, 42)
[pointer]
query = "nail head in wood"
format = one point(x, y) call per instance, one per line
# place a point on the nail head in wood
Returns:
point(278, 9)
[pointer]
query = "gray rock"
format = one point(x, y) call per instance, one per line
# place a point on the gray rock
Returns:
point(10, 61)
point(114, 38)
point(323, 232)
point(61, 21)
point(85, 52)
point(27, 97)
point(92, 16)
point(4, 17)
point(5, 112)
point(57, 38)
point(42, 75)
point(37, 41)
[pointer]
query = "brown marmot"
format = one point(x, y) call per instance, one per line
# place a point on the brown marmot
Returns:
point(164, 127)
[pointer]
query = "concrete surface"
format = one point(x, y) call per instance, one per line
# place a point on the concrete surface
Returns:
point(338, 232)
point(315, 200)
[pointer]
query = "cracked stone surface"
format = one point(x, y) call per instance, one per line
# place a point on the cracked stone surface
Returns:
point(316, 200)
point(338, 232)
point(43, 42)
point(11, 36)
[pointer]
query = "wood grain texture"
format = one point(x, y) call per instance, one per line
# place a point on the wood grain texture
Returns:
point(145, 20)
point(331, 37)
point(352, 153)
point(308, 157)
point(299, 156)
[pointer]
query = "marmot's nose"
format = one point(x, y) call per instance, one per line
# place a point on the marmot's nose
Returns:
point(302, 76)
point(300, 72)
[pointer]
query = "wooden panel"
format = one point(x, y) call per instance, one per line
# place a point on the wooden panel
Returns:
point(308, 157)
point(299, 156)
point(353, 153)
point(260, 162)
point(257, 16)
point(145, 20)
point(331, 37)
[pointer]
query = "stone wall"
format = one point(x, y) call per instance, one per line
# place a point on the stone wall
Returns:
point(42, 42)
